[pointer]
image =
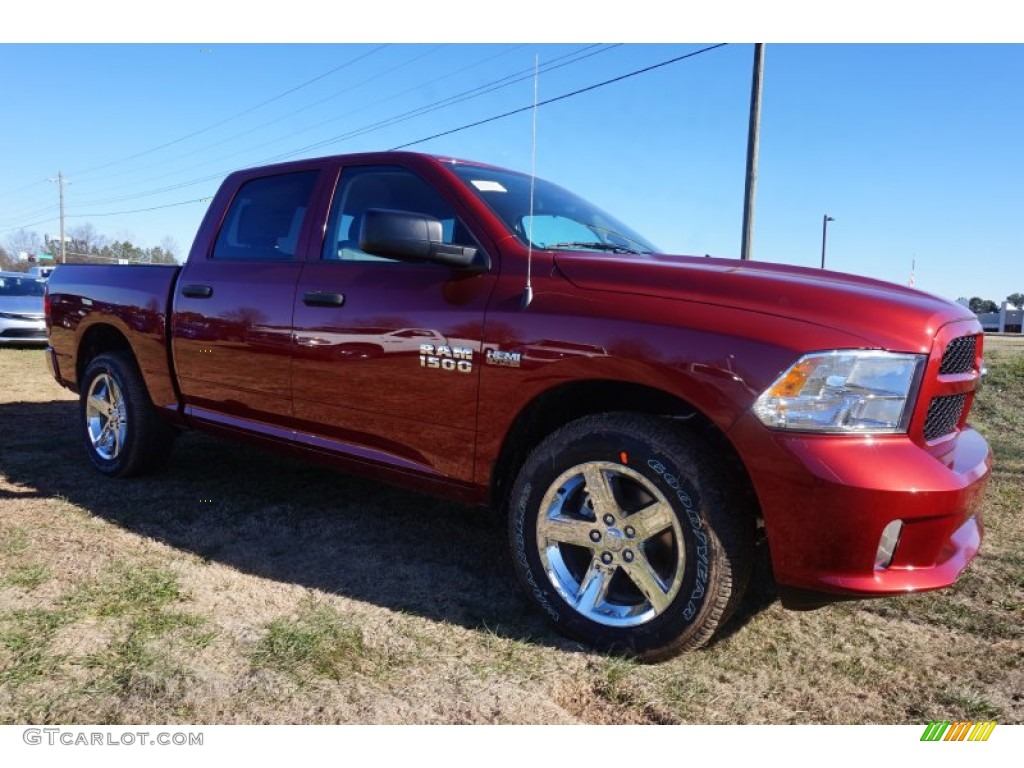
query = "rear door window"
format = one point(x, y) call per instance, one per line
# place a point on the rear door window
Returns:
point(265, 218)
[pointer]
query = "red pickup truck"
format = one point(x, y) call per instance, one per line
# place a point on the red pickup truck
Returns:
point(474, 333)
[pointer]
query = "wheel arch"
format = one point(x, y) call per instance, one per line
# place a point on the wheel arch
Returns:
point(148, 351)
point(565, 403)
point(99, 339)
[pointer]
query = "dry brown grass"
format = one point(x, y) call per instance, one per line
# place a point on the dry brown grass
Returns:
point(299, 595)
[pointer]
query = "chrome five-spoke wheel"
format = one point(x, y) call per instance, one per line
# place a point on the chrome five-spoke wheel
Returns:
point(122, 431)
point(610, 544)
point(627, 532)
point(105, 416)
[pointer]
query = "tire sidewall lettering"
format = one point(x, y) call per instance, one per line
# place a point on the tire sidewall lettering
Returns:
point(700, 548)
point(539, 594)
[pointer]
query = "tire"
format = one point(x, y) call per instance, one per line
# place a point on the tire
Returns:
point(123, 433)
point(629, 537)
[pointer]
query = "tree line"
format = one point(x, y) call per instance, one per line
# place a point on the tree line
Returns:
point(980, 306)
point(83, 245)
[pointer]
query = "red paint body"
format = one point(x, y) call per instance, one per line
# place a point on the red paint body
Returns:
point(345, 383)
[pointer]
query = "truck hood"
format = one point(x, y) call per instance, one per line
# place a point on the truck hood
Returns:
point(884, 315)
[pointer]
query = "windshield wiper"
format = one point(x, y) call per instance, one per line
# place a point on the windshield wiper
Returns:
point(592, 247)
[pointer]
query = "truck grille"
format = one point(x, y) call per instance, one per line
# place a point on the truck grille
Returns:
point(947, 411)
point(959, 356)
point(943, 415)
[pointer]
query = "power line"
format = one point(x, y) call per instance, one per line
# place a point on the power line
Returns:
point(18, 191)
point(207, 128)
point(150, 193)
point(138, 210)
point(272, 99)
point(561, 61)
point(33, 213)
point(564, 96)
point(457, 129)
point(30, 224)
point(288, 115)
point(503, 82)
point(473, 93)
point(109, 213)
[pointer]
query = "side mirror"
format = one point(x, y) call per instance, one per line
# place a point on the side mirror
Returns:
point(412, 237)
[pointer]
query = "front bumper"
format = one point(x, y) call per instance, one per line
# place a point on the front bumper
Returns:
point(827, 498)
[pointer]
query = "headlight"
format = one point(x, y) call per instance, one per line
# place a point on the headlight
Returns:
point(859, 391)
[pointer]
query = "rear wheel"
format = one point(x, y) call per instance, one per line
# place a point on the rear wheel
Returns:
point(624, 533)
point(123, 433)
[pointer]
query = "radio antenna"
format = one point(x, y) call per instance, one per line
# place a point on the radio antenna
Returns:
point(528, 291)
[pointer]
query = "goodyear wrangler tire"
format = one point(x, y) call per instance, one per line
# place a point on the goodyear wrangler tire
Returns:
point(123, 433)
point(624, 534)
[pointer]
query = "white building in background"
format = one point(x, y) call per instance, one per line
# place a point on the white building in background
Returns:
point(1006, 320)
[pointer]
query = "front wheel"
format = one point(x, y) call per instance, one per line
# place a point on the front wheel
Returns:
point(625, 533)
point(123, 433)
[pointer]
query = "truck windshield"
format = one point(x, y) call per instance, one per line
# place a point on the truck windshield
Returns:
point(560, 220)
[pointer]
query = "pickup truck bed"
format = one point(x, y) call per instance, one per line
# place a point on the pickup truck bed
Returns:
point(101, 306)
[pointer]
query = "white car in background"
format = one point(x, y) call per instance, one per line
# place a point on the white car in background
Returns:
point(21, 309)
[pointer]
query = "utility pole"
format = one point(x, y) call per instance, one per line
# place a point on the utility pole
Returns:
point(753, 133)
point(63, 245)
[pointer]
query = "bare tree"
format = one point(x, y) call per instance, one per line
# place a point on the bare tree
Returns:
point(85, 239)
point(24, 241)
point(170, 247)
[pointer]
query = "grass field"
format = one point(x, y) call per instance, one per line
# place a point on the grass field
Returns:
point(241, 587)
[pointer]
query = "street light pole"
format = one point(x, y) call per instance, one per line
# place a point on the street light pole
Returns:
point(824, 234)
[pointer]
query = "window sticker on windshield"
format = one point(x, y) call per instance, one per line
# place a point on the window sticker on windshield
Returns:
point(488, 186)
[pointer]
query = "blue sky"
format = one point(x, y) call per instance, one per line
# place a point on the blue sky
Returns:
point(914, 149)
